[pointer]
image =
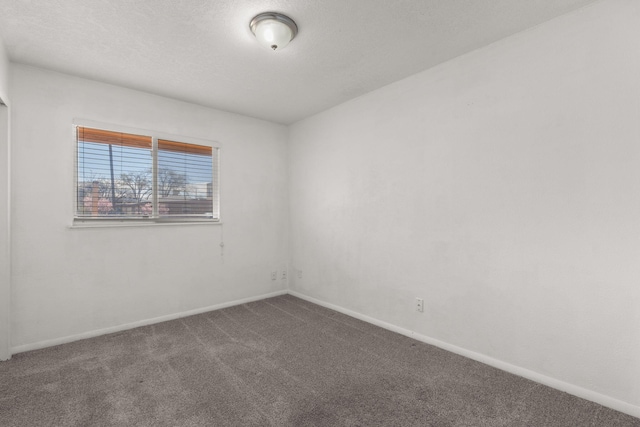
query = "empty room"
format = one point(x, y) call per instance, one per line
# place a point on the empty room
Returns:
point(331, 213)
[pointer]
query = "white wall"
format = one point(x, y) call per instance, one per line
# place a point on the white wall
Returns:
point(503, 188)
point(69, 282)
point(5, 283)
point(4, 73)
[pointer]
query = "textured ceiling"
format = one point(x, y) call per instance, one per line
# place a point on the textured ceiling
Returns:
point(203, 51)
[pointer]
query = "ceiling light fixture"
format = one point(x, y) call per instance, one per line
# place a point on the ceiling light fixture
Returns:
point(273, 30)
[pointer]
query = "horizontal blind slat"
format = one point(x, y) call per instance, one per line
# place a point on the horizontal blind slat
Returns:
point(109, 137)
point(183, 147)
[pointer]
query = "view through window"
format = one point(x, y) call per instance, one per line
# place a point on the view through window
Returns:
point(135, 176)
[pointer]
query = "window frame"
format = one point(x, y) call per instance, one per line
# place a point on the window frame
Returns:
point(154, 219)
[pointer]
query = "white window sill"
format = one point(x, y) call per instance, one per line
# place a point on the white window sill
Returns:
point(122, 223)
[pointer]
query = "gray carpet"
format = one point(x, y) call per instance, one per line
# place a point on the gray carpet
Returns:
point(278, 362)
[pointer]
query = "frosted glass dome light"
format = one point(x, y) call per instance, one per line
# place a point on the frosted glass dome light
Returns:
point(273, 30)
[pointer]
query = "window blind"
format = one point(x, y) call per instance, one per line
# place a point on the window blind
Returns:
point(187, 180)
point(114, 173)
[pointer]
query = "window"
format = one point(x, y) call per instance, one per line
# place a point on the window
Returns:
point(141, 175)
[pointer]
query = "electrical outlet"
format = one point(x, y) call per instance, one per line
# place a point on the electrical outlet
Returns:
point(274, 275)
point(420, 305)
point(299, 274)
point(284, 274)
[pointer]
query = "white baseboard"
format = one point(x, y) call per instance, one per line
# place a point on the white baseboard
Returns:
point(575, 390)
point(91, 334)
